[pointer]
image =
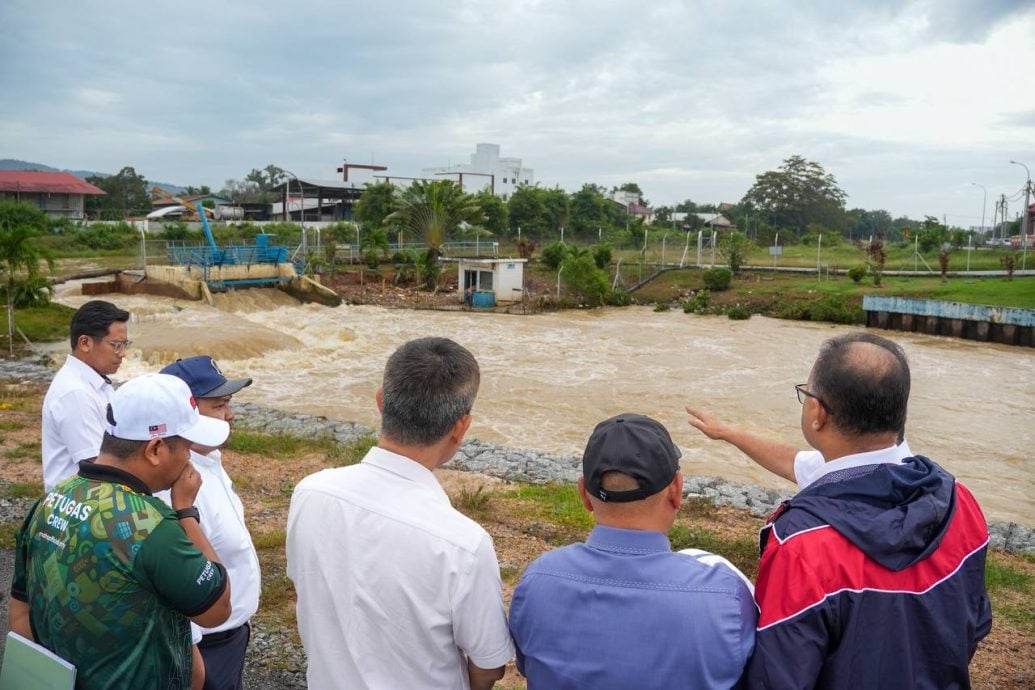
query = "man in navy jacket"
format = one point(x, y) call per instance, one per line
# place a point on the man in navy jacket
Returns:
point(873, 575)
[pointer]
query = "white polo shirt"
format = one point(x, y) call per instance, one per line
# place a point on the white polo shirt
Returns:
point(809, 465)
point(222, 521)
point(74, 419)
point(396, 588)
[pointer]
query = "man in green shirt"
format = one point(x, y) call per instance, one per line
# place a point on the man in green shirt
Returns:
point(106, 575)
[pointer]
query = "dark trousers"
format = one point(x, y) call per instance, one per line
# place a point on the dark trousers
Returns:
point(223, 653)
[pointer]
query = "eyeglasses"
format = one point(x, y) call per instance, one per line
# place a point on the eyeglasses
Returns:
point(119, 346)
point(806, 393)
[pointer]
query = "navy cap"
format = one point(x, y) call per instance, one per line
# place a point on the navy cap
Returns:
point(634, 445)
point(203, 376)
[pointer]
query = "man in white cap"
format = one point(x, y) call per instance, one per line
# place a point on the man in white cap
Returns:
point(107, 576)
point(222, 647)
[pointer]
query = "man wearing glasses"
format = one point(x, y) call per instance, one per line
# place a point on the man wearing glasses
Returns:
point(873, 574)
point(75, 404)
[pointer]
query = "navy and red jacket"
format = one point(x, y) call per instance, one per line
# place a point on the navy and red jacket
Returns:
point(872, 577)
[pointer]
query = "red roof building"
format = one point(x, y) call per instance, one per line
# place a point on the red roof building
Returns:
point(58, 194)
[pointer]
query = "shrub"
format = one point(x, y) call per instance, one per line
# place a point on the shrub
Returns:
point(526, 247)
point(836, 309)
point(101, 236)
point(663, 306)
point(554, 254)
point(582, 277)
point(717, 279)
point(619, 297)
point(601, 254)
point(734, 248)
point(1009, 263)
point(699, 303)
point(739, 312)
point(857, 273)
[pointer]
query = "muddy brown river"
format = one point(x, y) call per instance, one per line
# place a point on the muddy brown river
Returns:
point(548, 379)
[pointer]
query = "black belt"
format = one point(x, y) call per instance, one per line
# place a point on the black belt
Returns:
point(222, 635)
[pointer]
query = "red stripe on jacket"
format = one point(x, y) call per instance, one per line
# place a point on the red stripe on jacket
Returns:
point(802, 570)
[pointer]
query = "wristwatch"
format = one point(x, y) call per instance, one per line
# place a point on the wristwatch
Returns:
point(191, 512)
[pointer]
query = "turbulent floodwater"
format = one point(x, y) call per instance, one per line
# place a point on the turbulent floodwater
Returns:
point(548, 379)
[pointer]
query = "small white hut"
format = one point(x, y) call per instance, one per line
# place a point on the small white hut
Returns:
point(486, 282)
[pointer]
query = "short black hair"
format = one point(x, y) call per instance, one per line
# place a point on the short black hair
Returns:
point(429, 384)
point(863, 379)
point(94, 319)
point(123, 448)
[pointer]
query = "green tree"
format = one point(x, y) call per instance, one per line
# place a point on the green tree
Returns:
point(126, 194)
point(931, 235)
point(862, 223)
point(375, 204)
point(798, 193)
point(590, 212)
point(495, 210)
point(267, 178)
point(19, 224)
point(432, 211)
point(527, 211)
point(734, 248)
point(558, 208)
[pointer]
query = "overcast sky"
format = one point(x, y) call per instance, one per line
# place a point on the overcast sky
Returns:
point(906, 103)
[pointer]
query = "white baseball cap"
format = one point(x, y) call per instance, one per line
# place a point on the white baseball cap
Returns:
point(158, 406)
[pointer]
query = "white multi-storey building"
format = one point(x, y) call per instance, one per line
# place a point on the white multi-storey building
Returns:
point(506, 173)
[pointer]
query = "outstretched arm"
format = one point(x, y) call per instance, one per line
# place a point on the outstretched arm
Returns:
point(775, 456)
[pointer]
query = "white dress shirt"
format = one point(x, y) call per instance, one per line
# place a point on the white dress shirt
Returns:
point(74, 419)
point(809, 465)
point(222, 521)
point(396, 588)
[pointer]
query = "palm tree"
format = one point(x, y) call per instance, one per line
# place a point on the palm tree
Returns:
point(432, 210)
point(19, 223)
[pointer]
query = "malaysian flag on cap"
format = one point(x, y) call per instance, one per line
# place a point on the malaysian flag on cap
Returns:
point(156, 429)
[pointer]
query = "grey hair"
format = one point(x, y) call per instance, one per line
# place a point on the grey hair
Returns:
point(429, 384)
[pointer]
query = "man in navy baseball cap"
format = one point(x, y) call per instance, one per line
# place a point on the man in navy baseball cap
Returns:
point(222, 647)
point(204, 377)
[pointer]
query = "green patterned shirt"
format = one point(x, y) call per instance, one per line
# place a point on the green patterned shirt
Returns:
point(110, 578)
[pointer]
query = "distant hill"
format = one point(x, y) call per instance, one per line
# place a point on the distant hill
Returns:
point(14, 164)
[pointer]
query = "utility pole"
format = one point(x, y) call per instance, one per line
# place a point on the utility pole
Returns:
point(1024, 220)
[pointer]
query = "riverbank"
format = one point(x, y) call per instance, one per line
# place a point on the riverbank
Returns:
point(515, 464)
point(271, 450)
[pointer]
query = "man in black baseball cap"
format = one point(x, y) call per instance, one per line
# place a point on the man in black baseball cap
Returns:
point(592, 614)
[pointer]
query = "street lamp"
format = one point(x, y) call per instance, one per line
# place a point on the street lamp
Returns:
point(984, 198)
point(1024, 225)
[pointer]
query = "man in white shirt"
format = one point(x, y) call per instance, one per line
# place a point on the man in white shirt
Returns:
point(396, 588)
point(75, 407)
point(222, 520)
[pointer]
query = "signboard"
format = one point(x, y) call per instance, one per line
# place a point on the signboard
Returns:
point(776, 251)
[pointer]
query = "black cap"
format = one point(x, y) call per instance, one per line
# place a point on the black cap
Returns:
point(634, 445)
